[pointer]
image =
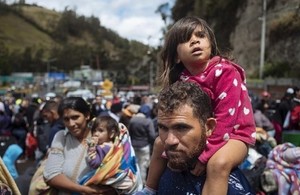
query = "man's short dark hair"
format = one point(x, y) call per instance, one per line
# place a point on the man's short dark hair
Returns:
point(180, 93)
point(50, 105)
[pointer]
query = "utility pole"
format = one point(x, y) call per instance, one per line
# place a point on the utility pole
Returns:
point(151, 76)
point(149, 53)
point(263, 39)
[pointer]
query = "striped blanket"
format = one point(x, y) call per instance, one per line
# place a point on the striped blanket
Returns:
point(118, 168)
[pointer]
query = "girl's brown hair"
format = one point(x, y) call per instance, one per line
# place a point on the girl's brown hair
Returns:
point(181, 32)
point(110, 124)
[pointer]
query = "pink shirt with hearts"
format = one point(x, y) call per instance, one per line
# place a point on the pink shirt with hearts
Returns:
point(224, 82)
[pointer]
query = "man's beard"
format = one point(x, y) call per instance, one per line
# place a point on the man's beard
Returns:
point(177, 162)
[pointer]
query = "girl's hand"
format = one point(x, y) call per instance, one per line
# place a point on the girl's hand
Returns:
point(92, 141)
point(199, 169)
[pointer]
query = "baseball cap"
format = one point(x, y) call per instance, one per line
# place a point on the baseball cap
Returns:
point(290, 91)
point(265, 94)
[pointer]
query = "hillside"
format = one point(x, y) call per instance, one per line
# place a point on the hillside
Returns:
point(47, 19)
point(17, 34)
point(282, 57)
point(32, 36)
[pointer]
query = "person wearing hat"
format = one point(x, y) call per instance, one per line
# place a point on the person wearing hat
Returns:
point(265, 102)
point(285, 104)
point(127, 112)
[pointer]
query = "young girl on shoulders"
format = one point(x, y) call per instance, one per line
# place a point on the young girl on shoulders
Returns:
point(190, 54)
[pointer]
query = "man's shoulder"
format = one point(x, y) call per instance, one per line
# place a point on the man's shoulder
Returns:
point(180, 183)
point(58, 124)
point(238, 183)
point(186, 183)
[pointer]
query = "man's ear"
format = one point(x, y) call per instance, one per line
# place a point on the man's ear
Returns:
point(210, 126)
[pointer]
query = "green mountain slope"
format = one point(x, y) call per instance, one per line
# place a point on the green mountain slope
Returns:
point(17, 34)
point(31, 35)
point(45, 18)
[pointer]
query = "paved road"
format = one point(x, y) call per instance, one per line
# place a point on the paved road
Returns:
point(26, 170)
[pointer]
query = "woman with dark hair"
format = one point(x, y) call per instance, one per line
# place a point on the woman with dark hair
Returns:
point(67, 156)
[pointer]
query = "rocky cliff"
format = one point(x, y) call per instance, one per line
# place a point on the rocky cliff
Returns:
point(282, 38)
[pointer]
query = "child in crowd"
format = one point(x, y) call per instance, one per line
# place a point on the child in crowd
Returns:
point(190, 54)
point(110, 154)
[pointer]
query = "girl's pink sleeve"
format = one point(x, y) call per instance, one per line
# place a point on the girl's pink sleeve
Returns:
point(232, 109)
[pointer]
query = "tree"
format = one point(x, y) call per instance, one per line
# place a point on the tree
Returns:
point(4, 60)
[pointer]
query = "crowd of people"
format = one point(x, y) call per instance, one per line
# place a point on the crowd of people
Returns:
point(48, 119)
point(274, 160)
point(139, 115)
point(202, 130)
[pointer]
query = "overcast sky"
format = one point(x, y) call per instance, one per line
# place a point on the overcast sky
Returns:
point(132, 19)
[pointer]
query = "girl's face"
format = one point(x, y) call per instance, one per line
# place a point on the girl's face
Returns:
point(76, 122)
point(195, 53)
point(102, 134)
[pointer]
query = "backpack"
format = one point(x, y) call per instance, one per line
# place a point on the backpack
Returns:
point(254, 175)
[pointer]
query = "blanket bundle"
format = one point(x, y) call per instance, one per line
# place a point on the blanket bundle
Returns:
point(280, 174)
point(118, 168)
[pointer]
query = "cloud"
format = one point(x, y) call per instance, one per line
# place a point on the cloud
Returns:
point(131, 19)
point(141, 28)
